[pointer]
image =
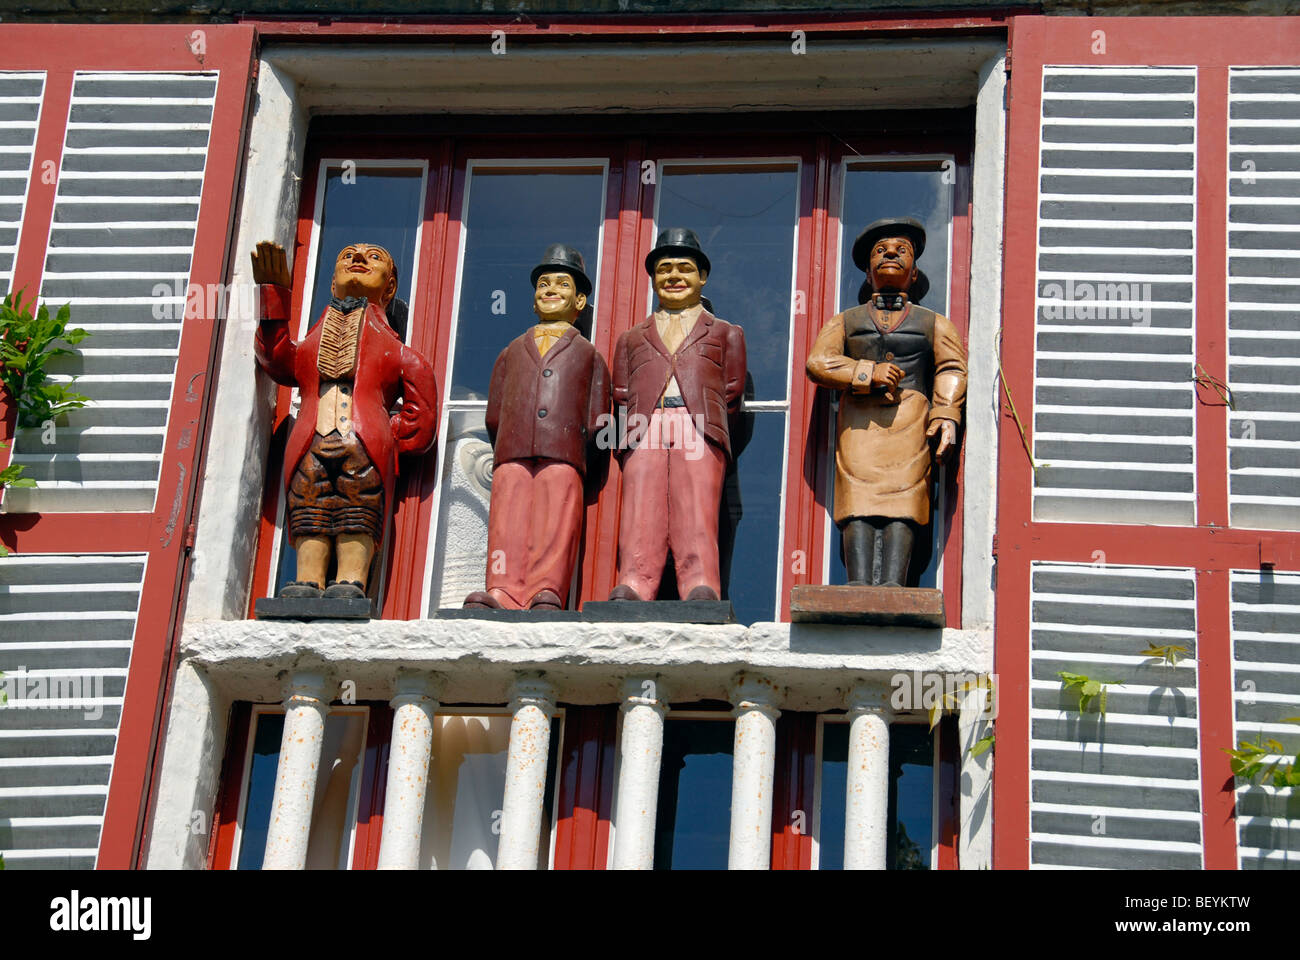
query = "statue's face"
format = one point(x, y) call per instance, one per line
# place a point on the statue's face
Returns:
point(365, 270)
point(678, 282)
point(893, 264)
point(557, 298)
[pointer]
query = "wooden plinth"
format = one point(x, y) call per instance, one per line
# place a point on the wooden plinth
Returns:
point(874, 606)
point(314, 608)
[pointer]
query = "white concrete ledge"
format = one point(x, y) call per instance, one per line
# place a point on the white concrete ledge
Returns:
point(587, 662)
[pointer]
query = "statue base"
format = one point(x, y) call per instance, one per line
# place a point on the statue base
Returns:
point(874, 606)
point(314, 608)
point(508, 616)
point(659, 611)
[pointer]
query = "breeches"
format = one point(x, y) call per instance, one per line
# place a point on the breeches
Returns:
point(336, 489)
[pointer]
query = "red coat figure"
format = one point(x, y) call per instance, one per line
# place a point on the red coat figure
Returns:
point(341, 460)
point(680, 373)
point(547, 400)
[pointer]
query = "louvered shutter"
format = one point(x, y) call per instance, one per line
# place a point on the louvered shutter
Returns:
point(1119, 788)
point(141, 129)
point(1264, 296)
point(1149, 341)
point(1266, 692)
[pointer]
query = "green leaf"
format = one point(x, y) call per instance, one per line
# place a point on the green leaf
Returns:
point(982, 744)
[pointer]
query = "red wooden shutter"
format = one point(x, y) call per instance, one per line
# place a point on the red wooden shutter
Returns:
point(140, 142)
point(1126, 152)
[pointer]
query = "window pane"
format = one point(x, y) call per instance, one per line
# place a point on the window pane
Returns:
point(511, 217)
point(911, 796)
point(834, 787)
point(746, 218)
point(373, 205)
point(873, 192)
point(338, 780)
point(467, 784)
point(377, 205)
point(460, 562)
point(693, 825)
point(750, 530)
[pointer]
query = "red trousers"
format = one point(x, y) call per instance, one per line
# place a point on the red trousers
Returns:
point(534, 526)
point(672, 488)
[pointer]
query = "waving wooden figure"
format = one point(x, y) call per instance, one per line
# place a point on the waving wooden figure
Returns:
point(341, 458)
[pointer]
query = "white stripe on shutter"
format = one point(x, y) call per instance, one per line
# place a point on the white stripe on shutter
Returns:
point(1123, 789)
point(1264, 298)
point(66, 627)
point(1266, 690)
point(120, 247)
point(1114, 335)
point(21, 94)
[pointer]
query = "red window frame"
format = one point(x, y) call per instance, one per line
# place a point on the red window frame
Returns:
point(1211, 546)
point(629, 209)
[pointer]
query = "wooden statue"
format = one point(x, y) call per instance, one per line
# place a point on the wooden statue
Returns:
point(548, 396)
point(680, 374)
point(900, 371)
point(341, 457)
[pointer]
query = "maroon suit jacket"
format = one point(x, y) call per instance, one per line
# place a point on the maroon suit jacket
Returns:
point(386, 369)
point(547, 407)
point(709, 364)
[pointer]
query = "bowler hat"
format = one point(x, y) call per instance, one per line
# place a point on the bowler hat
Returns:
point(888, 227)
point(676, 242)
point(920, 287)
point(559, 258)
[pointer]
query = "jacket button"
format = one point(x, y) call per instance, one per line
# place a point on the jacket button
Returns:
point(541, 413)
point(547, 372)
point(862, 376)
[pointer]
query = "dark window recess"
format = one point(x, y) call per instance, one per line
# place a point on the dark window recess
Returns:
point(693, 826)
point(261, 787)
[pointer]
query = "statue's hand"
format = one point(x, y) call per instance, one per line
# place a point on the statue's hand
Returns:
point(270, 265)
point(946, 430)
point(886, 375)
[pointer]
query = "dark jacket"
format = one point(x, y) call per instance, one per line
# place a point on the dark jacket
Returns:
point(709, 365)
point(547, 407)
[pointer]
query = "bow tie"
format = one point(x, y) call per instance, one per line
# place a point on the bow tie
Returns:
point(889, 301)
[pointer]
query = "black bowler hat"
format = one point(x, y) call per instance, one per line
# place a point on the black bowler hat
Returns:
point(559, 258)
point(919, 288)
point(676, 242)
point(888, 227)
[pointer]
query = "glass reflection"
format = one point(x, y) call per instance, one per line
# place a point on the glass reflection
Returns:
point(375, 205)
point(693, 823)
point(511, 217)
point(746, 217)
point(749, 529)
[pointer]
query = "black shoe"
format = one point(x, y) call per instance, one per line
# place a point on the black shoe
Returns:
point(623, 592)
point(703, 592)
point(300, 590)
point(344, 590)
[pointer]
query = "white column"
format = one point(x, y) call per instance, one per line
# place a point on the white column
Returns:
point(532, 703)
point(975, 716)
point(414, 704)
point(641, 749)
point(305, 707)
point(866, 817)
point(753, 764)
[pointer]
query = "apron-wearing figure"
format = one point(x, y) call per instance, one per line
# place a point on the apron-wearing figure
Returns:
point(900, 371)
point(341, 458)
point(548, 397)
point(680, 374)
